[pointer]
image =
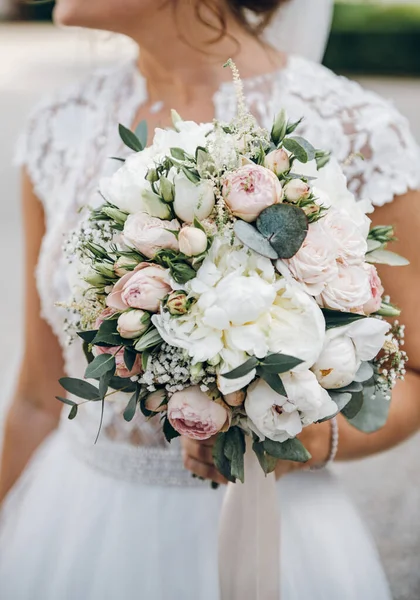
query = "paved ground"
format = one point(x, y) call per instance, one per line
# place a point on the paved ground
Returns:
point(37, 59)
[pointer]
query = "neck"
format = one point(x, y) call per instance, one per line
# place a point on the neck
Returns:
point(183, 57)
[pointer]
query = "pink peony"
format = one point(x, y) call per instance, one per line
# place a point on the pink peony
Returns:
point(377, 290)
point(150, 234)
point(104, 315)
point(348, 291)
point(193, 414)
point(249, 190)
point(120, 366)
point(143, 288)
point(350, 240)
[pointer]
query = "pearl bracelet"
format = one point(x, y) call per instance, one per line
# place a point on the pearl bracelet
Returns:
point(335, 435)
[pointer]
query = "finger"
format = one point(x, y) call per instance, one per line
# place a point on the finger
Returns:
point(200, 452)
point(202, 470)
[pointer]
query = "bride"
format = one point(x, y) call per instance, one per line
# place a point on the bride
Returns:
point(124, 519)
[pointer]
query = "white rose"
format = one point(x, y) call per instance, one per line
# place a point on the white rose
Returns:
point(348, 291)
point(296, 189)
point(150, 234)
point(346, 348)
point(277, 161)
point(132, 323)
point(193, 200)
point(351, 243)
point(192, 241)
point(315, 265)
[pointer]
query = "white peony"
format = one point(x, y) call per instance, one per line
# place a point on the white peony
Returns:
point(244, 308)
point(193, 200)
point(280, 418)
point(346, 348)
point(188, 136)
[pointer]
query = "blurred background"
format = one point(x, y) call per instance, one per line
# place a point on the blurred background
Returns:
point(376, 42)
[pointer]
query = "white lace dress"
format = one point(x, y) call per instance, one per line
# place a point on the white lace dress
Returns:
point(123, 520)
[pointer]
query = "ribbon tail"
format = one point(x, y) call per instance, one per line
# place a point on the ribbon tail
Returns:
point(249, 545)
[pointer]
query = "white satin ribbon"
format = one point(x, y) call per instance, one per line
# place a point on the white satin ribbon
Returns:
point(249, 545)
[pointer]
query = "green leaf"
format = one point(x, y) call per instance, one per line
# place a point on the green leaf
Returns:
point(243, 369)
point(374, 412)
point(279, 128)
point(101, 364)
point(108, 334)
point(234, 450)
point(336, 318)
point(178, 153)
point(130, 139)
point(141, 133)
point(280, 363)
point(353, 407)
point(87, 336)
point(87, 352)
point(388, 310)
point(198, 225)
point(130, 409)
point(73, 412)
point(251, 237)
point(182, 272)
point(144, 359)
point(155, 206)
point(273, 381)
point(191, 175)
point(169, 432)
point(385, 257)
point(289, 450)
point(221, 462)
point(79, 388)
point(268, 463)
point(301, 148)
point(129, 358)
point(285, 226)
point(150, 339)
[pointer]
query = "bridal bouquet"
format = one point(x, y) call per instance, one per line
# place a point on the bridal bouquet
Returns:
point(229, 289)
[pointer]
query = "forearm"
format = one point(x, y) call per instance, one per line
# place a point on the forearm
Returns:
point(403, 421)
point(26, 427)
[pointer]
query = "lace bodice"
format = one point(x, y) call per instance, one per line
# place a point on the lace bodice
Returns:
point(69, 140)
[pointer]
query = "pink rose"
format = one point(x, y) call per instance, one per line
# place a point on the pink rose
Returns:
point(348, 291)
point(150, 234)
point(120, 366)
point(315, 264)
point(376, 288)
point(193, 414)
point(103, 316)
point(350, 241)
point(249, 190)
point(143, 288)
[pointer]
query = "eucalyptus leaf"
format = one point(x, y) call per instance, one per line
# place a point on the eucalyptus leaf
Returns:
point(104, 383)
point(141, 133)
point(336, 318)
point(268, 463)
point(285, 226)
point(73, 412)
point(374, 412)
point(243, 369)
point(79, 388)
point(130, 139)
point(130, 409)
point(122, 384)
point(385, 257)
point(234, 450)
point(341, 399)
point(289, 450)
point(364, 373)
point(251, 237)
point(280, 363)
point(221, 462)
point(66, 401)
point(301, 148)
point(101, 364)
point(353, 407)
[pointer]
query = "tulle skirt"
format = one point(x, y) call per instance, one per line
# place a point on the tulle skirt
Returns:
point(69, 532)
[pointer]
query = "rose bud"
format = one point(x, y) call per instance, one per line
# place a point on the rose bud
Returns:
point(124, 265)
point(156, 401)
point(193, 199)
point(374, 304)
point(143, 288)
point(132, 323)
point(177, 303)
point(249, 190)
point(296, 190)
point(192, 241)
point(95, 279)
point(150, 234)
point(120, 366)
point(277, 161)
point(193, 414)
point(235, 398)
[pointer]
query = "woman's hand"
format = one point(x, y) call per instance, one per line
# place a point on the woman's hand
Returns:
point(199, 460)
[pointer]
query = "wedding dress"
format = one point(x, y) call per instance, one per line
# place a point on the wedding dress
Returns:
point(122, 519)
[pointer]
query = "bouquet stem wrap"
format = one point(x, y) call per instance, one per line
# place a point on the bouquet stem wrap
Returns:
point(249, 544)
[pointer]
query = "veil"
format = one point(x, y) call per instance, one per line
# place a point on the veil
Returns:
point(301, 27)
